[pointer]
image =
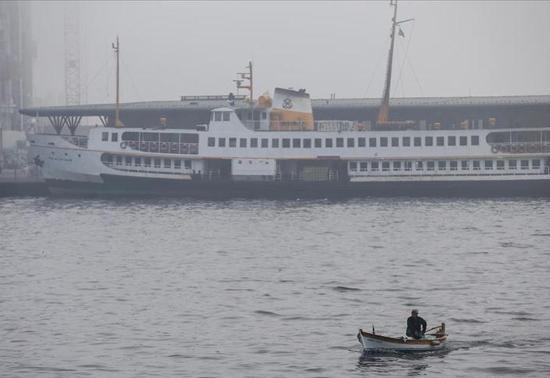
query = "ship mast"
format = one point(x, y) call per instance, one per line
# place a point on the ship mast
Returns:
point(116, 48)
point(384, 111)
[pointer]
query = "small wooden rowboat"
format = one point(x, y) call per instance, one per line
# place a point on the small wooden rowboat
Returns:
point(431, 341)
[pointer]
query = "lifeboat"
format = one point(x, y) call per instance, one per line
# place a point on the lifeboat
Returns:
point(431, 341)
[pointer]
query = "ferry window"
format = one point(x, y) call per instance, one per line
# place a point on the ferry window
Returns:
point(431, 165)
point(318, 143)
point(150, 137)
point(525, 164)
point(328, 142)
point(385, 166)
point(296, 143)
point(429, 141)
point(396, 165)
point(408, 165)
point(417, 141)
point(286, 143)
point(339, 142)
point(221, 142)
point(119, 160)
point(130, 135)
point(254, 142)
point(464, 165)
point(475, 140)
point(488, 164)
point(104, 136)
point(512, 164)
point(454, 165)
point(419, 165)
point(232, 142)
point(500, 165)
point(169, 137)
point(463, 141)
point(374, 166)
point(406, 141)
point(476, 165)
point(264, 115)
point(242, 142)
point(351, 142)
point(395, 142)
point(226, 116)
point(217, 116)
point(372, 142)
point(137, 161)
point(307, 143)
point(353, 166)
point(535, 164)
point(189, 138)
point(441, 165)
point(187, 164)
point(274, 143)
point(147, 162)
point(383, 142)
point(157, 163)
point(211, 142)
point(177, 164)
point(440, 141)
point(128, 160)
point(114, 137)
point(265, 143)
point(361, 142)
point(451, 141)
point(363, 166)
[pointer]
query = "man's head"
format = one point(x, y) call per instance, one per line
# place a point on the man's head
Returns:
point(414, 312)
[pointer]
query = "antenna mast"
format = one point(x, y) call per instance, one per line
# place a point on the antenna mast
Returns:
point(116, 48)
point(247, 76)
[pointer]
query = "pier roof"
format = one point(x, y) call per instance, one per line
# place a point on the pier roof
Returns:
point(191, 104)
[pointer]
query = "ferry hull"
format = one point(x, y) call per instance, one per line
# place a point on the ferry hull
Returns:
point(114, 185)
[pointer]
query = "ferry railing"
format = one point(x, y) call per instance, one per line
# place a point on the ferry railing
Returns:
point(336, 125)
point(276, 125)
point(520, 147)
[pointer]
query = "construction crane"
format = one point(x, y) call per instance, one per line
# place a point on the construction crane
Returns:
point(72, 53)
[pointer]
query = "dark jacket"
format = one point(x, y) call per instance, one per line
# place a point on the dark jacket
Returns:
point(416, 326)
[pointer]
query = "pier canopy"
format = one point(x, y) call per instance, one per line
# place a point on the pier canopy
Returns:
point(429, 112)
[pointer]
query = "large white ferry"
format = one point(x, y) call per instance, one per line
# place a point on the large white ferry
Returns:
point(258, 151)
point(274, 148)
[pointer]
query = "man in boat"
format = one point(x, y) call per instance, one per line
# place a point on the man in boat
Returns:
point(416, 326)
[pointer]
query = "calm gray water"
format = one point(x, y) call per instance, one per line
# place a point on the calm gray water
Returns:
point(272, 289)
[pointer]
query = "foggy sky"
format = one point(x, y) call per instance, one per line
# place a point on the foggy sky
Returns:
point(169, 49)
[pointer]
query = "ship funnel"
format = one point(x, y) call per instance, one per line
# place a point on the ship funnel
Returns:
point(291, 110)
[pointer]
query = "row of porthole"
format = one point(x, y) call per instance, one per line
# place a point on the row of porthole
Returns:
point(373, 142)
point(442, 165)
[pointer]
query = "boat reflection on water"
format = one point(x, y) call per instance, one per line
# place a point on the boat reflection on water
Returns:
point(385, 362)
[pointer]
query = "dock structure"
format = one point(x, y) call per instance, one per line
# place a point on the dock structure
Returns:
point(20, 182)
point(429, 112)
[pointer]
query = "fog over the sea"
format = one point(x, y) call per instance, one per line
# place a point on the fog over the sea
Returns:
point(169, 49)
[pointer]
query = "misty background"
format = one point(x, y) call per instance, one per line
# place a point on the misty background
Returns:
point(170, 49)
